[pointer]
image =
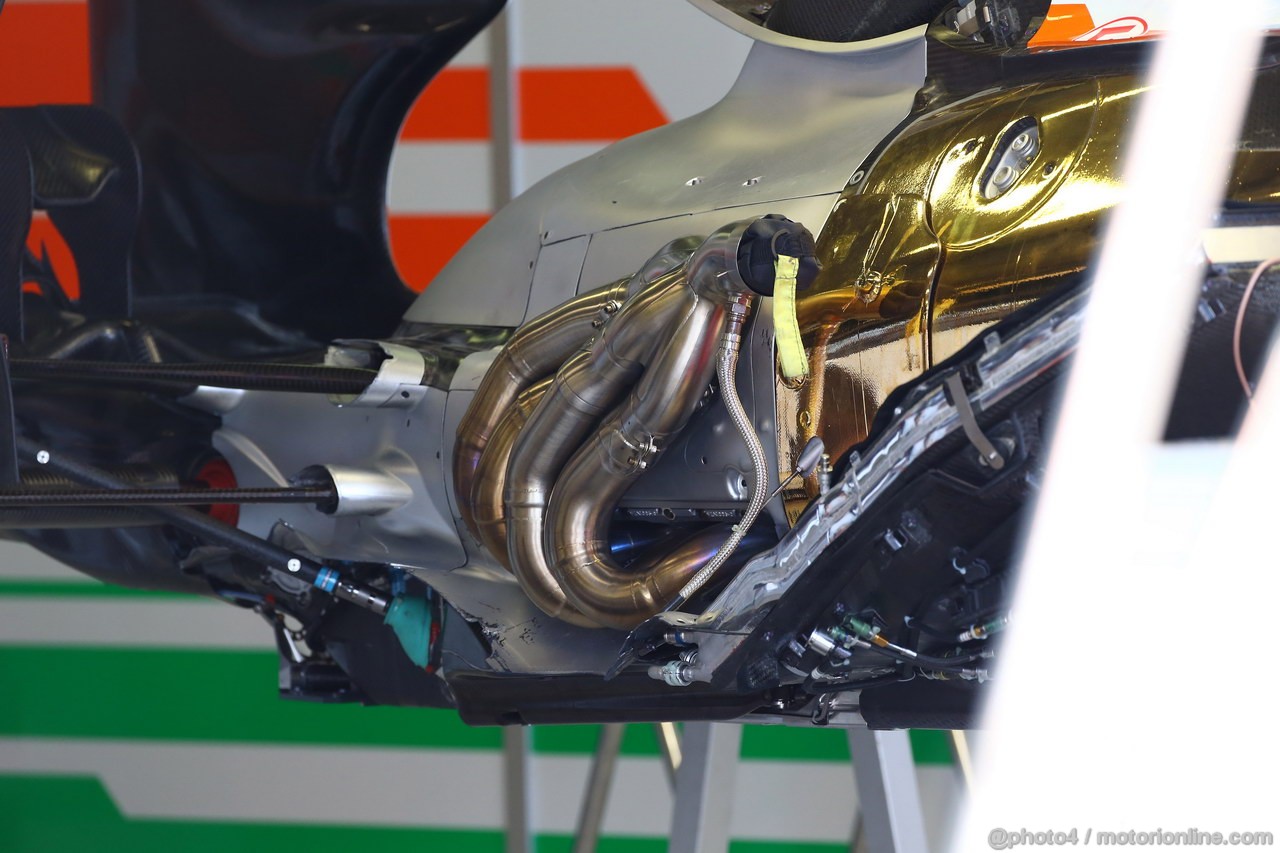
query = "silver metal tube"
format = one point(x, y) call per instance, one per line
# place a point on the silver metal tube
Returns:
point(487, 507)
point(669, 743)
point(535, 351)
point(581, 508)
point(582, 394)
point(538, 350)
point(596, 797)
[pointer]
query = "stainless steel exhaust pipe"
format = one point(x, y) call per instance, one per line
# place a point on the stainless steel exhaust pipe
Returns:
point(582, 394)
point(491, 475)
point(716, 304)
point(537, 350)
point(551, 468)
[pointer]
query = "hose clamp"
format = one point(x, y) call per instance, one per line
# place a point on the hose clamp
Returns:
point(398, 384)
point(642, 452)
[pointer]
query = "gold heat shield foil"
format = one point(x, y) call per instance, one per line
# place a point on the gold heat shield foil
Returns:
point(916, 261)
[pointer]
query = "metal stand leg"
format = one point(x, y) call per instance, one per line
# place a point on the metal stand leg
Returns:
point(597, 794)
point(964, 757)
point(669, 743)
point(892, 819)
point(704, 788)
point(515, 760)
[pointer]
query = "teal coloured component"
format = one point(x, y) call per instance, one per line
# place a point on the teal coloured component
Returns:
point(410, 618)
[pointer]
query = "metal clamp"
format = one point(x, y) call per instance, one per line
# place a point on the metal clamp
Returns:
point(398, 384)
point(969, 422)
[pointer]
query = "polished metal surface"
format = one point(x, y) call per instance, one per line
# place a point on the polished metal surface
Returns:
point(216, 401)
point(802, 122)
point(399, 381)
point(709, 300)
point(487, 507)
point(537, 350)
point(364, 491)
point(270, 437)
point(580, 396)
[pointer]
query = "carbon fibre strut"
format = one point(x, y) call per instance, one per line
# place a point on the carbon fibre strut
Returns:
point(277, 560)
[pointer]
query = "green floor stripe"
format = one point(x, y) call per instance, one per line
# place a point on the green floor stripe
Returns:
point(932, 747)
point(199, 696)
point(75, 814)
point(231, 696)
point(88, 588)
point(581, 740)
point(782, 743)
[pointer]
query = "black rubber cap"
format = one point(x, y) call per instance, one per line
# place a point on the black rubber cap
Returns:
point(766, 239)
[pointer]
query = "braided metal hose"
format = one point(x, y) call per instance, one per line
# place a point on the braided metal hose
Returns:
point(730, 347)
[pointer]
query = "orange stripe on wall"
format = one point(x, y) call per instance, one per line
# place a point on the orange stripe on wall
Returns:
point(44, 238)
point(584, 105)
point(453, 107)
point(1062, 23)
point(421, 245)
point(44, 54)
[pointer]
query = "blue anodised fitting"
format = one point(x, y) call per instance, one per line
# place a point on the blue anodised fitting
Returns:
point(410, 618)
point(326, 580)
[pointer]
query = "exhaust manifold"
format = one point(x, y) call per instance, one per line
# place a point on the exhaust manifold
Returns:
point(582, 400)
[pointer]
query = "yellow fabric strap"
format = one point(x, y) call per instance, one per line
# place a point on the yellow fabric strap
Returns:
point(786, 329)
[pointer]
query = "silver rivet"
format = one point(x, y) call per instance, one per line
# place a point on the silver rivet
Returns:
point(857, 178)
point(294, 565)
point(43, 457)
point(751, 182)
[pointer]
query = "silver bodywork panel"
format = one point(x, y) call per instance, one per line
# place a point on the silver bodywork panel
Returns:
point(785, 139)
point(271, 437)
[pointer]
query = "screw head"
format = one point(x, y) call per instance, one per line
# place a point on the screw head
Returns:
point(43, 457)
point(294, 565)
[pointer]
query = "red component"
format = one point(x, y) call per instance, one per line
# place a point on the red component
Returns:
point(217, 474)
point(432, 638)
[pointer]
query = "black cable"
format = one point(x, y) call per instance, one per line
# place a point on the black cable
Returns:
point(134, 497)
point(184, 378)
point(926, 661)
point(819, 688)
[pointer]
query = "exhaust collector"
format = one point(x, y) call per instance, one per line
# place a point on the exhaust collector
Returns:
point(607, 415)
